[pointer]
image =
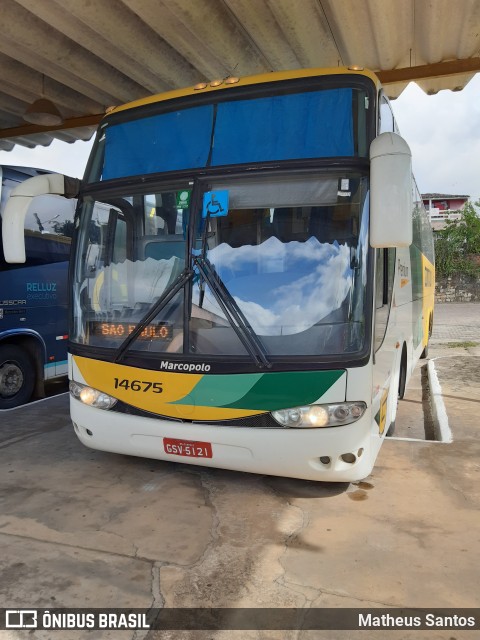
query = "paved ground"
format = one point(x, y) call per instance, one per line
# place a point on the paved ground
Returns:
point(85, 528)
point(456, 322)
point(456, 336)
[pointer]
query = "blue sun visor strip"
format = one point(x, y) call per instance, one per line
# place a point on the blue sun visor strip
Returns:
point(165, 142)
point(316, 124)
point(289, 127)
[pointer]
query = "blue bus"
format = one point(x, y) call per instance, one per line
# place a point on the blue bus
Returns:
point(33, 295)
point(252, 275)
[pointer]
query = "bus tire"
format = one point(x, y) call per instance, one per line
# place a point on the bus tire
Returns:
point(430, 328)
point(391, 429)
point(17, 376)
point(402, 377)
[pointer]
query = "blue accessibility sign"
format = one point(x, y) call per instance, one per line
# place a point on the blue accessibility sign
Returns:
point(215, 204)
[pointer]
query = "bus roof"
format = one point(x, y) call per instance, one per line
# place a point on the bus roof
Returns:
point(277, 76)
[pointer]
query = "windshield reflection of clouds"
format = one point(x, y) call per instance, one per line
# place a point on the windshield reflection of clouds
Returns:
point(283, 288)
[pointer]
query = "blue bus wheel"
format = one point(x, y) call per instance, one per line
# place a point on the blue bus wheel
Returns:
point(17, 376)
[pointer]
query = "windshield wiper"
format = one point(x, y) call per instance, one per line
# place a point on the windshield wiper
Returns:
point(169, 293)
point(233, 313)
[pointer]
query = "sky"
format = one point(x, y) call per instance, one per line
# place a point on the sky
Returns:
point(443, 132)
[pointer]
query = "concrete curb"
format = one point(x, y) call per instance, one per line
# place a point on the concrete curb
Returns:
point(439, 412)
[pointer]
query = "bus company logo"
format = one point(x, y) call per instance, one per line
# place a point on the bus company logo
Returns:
point(41, 290)
point(20, 618)
point(189, 367)
point(49, 287)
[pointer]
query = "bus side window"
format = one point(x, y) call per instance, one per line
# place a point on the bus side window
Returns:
point(48, 230)
point(384, 277)
point(386, 119)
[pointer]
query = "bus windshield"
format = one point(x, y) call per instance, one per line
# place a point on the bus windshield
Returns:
point(286, 253)
point(284, 125)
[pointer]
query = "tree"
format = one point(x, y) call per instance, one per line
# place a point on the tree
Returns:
point(456, 245)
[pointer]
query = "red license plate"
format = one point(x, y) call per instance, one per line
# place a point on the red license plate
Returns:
point(187, 448)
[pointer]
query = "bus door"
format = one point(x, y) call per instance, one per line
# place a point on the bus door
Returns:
point(384, 339)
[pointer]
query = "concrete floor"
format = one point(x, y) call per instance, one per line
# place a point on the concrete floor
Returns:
point(80, 528)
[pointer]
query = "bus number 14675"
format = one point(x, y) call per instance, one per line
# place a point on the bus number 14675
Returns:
point(138, 385)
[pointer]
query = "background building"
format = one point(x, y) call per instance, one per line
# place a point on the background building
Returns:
point(442, 207)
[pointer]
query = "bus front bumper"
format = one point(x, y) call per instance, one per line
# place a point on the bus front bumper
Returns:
point(334, 454)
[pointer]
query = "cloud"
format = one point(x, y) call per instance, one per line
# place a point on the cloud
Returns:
point(293, 299)
point(443, 132)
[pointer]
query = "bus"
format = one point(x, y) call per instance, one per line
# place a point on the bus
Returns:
point(252, 276)
point(33, 295)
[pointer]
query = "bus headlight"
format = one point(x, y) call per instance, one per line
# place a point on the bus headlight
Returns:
point(320, 415)
point(92, 397)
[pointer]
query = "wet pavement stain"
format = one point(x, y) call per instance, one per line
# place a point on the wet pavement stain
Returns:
point(364, 485)
point(358, 495)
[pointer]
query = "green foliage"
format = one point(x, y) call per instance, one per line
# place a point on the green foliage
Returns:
point(464, 345)
point(457, 243)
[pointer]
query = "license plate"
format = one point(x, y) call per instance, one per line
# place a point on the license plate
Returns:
point(187, 448)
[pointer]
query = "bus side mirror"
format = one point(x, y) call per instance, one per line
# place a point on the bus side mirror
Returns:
point(13, 217)
point(391, 200)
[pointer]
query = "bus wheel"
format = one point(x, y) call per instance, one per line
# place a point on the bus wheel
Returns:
point(391, 430)
point(402, 378)
point(430, 329)
point(17, 376)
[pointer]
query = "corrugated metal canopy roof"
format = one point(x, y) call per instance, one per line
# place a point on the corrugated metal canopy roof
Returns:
point(86, 56)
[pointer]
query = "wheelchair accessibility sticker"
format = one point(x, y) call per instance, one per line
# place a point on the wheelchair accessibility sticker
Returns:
point(215, 204)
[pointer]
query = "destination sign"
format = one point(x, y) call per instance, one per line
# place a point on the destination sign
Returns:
point(160, 331)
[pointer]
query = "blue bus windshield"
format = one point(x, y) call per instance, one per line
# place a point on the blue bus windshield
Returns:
point(314, 124)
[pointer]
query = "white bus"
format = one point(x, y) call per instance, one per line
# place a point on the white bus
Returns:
point(252, 278)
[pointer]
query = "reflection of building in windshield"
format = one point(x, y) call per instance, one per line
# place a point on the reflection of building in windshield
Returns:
point(328, 224)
